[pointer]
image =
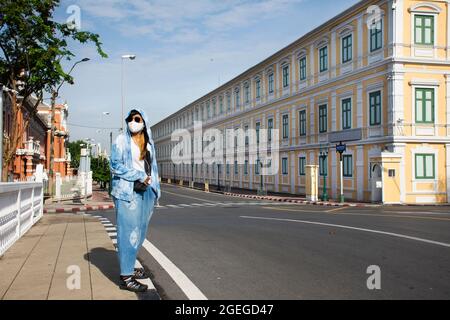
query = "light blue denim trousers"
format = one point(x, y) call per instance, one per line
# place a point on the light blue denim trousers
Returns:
point(132, 225)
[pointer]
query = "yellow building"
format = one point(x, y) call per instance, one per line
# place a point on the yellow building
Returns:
point(376, 77)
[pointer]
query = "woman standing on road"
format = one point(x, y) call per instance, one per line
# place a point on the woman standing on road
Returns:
point(135, 190)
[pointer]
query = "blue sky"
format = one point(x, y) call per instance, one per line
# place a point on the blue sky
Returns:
point(184, 50)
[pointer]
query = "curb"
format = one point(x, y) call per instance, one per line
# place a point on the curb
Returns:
point(317, 203)
point(78, 209)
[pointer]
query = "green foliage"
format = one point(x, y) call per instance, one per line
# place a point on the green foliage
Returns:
point(75, 152)
point(33, 45)
point(100, 170)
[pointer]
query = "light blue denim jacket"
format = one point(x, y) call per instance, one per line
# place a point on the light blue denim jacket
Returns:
point(123, 173)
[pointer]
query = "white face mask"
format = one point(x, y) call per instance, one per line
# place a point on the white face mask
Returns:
point(135, 127)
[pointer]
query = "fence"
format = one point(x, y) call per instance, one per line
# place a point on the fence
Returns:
point(74, 187)
point(21, 206)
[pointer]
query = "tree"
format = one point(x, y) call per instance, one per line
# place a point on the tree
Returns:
point(100, 170)
point(75, 152)
point(32, 48)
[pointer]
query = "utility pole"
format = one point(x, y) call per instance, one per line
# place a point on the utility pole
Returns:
point(52, 143)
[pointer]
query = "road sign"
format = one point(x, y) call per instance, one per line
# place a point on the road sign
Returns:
point(341, 148)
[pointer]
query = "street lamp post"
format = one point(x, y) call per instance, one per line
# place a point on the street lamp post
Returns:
point(130, 57)
point(55, 94)
point(341, 148)
point(218, 177)
point(173, 172)
point(324, 155)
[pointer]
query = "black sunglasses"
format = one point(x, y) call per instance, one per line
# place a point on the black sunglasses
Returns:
point(136, 119)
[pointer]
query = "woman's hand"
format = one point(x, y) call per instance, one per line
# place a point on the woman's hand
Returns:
point(148, 181)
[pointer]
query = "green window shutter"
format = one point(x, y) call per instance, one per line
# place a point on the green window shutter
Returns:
point(376, 36)
point(424, 30)
point(269, 130)
point(301, 166)
point(347, 52)
point(424, 105)
point(303, 68)
point(302, 123)
point(323, 54)
point(425, 166)
point(348, 166)
point(285, 76)
point(375, 108)
point(323, 127)
point(346, 114)
point(285, 126)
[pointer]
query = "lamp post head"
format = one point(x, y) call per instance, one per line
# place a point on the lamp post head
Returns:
point(85, 60)
point(129, 56)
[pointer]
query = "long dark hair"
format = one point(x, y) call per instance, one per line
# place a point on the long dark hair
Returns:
point(142, 146)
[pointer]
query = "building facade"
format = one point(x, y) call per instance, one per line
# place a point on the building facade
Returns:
point(376, 78)
point(34, 148)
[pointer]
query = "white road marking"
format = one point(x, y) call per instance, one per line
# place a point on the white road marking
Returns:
point(110, 229)
point(108, 225)
point(173, 206)
point(443, 244)
point(145, 281)
point(114, 241)
point(112, 234)
point(185, 284)
point(182, 195)
point(417, 212)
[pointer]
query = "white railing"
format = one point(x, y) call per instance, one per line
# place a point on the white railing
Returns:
point(21, 206)
point(73, 187)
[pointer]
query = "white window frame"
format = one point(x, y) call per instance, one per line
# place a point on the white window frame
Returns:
point(423, 51)
point(423, 84)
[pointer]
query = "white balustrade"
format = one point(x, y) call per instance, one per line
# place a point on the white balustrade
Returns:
point(21, 206)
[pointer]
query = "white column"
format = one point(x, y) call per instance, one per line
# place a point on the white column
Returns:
point(311, 63)
point(334, 174)
point(359, 45)
point(447, 101)
point(447, 165)
point(399, 148)
point(294, 128)
point(390, 17)
point(333, 54)
point(398, 28)
point(277, 124)
point(395, 98)
point(360, 172)
point(313, 138)
point(359, 105)
point(448, 31)
point(333, 111)
point(292, 170)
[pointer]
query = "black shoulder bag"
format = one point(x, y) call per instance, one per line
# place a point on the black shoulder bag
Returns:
point(140, 186)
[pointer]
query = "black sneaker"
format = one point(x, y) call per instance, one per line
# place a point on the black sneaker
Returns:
point(140, 273)
point(130, 284)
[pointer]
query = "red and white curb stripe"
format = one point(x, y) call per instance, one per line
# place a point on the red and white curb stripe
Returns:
point(280, 199)
point(79, 209)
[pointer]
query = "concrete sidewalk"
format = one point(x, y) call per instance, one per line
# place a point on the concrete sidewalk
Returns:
point(43, 264)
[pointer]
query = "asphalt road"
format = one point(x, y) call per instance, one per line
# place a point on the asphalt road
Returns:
point(232, 248)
